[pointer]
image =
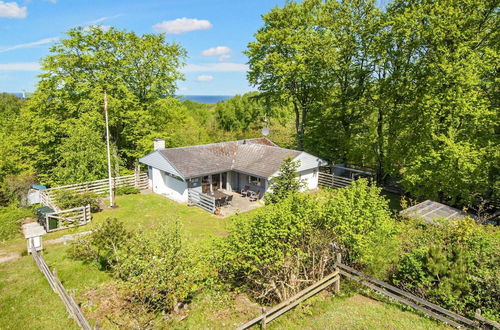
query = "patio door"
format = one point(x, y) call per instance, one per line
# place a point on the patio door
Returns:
point(205, 185)
point(224, 180)
point(216, 184)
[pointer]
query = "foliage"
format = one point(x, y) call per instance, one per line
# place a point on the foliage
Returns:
point(63, 121)
point(103, 245)
point(10, 217)
point(67, 199)
point(409, 90)
point(158, 270)
point(454, 264)
point(286, 60)
point(15, 188)
point(287, 245)
point(286, 182)
point(127, 191)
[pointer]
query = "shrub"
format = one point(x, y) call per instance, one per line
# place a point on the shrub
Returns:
point(455, 265)
point(10, 220)
point(287, 245)
point(286, 182)
point(127, 191)
point(157, 269)
point(67, 199)
point(103, 245)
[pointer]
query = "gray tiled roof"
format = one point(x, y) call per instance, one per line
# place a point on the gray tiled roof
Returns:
point(258, 156)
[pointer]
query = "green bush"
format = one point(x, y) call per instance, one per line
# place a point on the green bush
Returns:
point(10, 221)
point(127, 191)
point(158, 271)
point(67, 199)
point(454, 264)
point(103, 245)
point(287, 245)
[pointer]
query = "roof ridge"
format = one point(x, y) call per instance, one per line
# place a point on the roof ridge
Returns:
point(224, 142)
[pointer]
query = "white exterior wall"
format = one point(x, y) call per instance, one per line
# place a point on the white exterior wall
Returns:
point(310, 178)
point(172, 188)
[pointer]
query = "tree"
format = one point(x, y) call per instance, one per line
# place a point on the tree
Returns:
point(139, 74)
point(286, 60)
point(286, 182)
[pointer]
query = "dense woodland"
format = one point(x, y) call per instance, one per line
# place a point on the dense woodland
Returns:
point(410, 90)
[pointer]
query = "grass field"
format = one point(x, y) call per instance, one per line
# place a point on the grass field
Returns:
point(26, 300)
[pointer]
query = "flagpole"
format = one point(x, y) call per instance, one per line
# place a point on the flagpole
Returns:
point(111, 202)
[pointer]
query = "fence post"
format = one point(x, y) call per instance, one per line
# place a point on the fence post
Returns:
point(137, 171)
point(337, 283)
point(263, 321)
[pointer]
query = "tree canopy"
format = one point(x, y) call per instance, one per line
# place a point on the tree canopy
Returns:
point(408, 90)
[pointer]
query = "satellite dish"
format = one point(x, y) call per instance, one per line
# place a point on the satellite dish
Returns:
point(265, 131)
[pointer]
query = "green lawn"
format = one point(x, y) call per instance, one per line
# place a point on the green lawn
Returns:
point(26, 300)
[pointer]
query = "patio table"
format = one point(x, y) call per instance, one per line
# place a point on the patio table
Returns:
point(218, 195)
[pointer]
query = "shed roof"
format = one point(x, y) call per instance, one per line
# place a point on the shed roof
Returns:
point(259, 157)
point(432, 211)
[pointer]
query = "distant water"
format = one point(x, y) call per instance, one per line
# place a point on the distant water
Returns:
point(206, 98)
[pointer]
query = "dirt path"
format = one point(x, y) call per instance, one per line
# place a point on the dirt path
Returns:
point(4, 257)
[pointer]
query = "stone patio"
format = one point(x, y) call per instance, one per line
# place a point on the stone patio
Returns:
point(239, 204)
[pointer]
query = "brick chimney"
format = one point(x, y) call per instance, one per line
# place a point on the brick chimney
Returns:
point(159, 144)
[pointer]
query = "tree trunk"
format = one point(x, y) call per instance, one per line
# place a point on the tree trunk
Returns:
point(380, 145)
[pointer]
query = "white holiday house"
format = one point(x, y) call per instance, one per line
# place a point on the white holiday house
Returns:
point(228, 166)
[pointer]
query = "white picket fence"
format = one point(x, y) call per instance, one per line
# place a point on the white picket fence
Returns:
point(64, 219)
point(48, 196)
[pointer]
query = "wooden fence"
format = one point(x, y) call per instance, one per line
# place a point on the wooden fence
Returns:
point(401, 296)
point(408, 299)
point(334, 181)
point(278, 310)
point(48, 197)
point(71, 306)
point(201, 200)
point(58, 220)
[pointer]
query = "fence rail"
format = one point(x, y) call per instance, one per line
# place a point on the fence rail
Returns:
point(201, 200)
point(71, 306)
point(48, 197)
point(77, 216)
point(407, 298)
point(331, 180)
point(278, 310)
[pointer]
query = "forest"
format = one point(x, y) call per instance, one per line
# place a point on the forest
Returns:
point(409, 91)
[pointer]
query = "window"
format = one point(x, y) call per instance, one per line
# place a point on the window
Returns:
point(254, 180)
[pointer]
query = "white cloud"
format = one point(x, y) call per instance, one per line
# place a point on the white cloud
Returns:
point(183, 89)
point(182, 25)
point(223, 58)
point(214, 51)
point(216, 67)
point(29, 44)
point(102, 19)
point(12, 10)
point(21, 66)
point(205, 78)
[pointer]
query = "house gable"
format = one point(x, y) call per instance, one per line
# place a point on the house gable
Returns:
point(157, 160)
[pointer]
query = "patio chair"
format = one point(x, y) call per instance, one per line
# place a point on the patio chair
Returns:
point(229, 199)
point(244, 191)
point(255, 196)
point(221, 201)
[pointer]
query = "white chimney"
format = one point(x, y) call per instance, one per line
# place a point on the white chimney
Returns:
point(159, 144)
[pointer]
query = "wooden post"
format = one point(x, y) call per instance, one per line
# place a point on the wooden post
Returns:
point(136, 175)
point(263, 321)
point(337, 283)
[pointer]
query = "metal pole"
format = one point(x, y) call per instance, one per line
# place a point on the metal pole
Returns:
point(111, 202)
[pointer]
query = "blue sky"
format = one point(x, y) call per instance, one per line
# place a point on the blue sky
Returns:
point(214, 33)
